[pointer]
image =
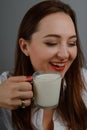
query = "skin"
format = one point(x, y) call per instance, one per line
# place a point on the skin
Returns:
point(53, 47)
point(13, 90)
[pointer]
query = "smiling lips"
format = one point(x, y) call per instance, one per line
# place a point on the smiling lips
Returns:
point(58, 66)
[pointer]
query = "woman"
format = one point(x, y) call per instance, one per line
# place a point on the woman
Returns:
point(48, 41)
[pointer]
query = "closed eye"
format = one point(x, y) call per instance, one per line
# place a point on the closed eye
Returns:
point(50, 44)
point(72, 44)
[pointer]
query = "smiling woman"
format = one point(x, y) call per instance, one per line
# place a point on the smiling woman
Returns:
point(59, 45)
point(48, 42)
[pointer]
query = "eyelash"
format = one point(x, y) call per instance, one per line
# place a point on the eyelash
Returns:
point(50, 44)
point(54, 44)
point(72, 44)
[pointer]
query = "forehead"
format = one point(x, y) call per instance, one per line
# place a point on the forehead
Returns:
point(57, 23)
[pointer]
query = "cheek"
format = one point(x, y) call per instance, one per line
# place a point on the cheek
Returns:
point(37, 56)
point(40, 52)
point(74, 53)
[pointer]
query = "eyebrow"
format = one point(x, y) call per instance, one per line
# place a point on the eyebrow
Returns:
point(58, 36)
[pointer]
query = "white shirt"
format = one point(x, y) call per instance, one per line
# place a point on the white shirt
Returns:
point(58, 124)
point(37, 121)
point(38, 116)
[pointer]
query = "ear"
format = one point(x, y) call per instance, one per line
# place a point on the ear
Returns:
point(24, 45)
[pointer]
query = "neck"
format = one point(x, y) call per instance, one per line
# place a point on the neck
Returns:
point(48, 119)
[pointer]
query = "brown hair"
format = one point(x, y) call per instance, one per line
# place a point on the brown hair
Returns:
point(71, 107)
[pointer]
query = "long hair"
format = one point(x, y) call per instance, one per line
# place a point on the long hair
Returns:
point(71, 107)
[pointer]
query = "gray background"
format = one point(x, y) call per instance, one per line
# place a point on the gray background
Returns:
point(11, 13)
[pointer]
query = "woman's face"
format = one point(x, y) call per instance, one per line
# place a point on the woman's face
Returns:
point(53, 47)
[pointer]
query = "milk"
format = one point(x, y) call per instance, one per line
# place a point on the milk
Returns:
point(47, 89)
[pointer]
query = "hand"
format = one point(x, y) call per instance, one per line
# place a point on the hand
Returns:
point(16, 91)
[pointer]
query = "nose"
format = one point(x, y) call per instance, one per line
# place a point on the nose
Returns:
point(63, 52)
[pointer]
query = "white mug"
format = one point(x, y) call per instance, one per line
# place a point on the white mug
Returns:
point(46, 87)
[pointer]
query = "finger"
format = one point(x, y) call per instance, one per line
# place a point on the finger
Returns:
point(14, 104)
point(26, 95)
point(20, 78)
point(27, 102)
point(23, 95)
point(24, 86)
point(19, 103)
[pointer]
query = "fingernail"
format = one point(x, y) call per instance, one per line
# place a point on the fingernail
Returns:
point(29, 77)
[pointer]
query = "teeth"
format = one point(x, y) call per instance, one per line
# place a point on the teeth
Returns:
point(57, 64)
